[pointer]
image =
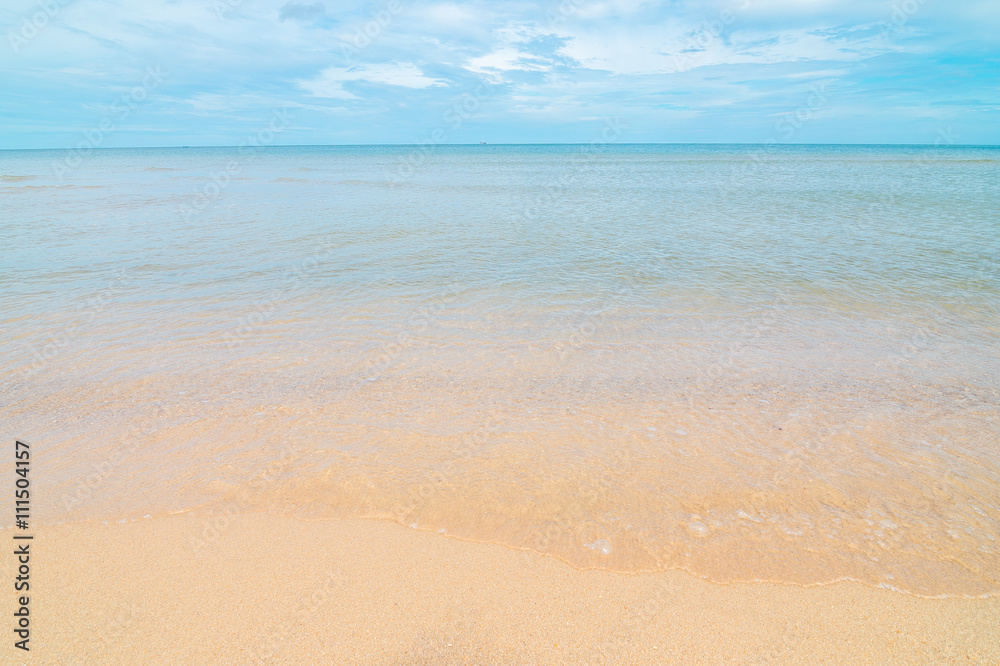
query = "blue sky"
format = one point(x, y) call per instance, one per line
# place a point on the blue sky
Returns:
point(215, 72)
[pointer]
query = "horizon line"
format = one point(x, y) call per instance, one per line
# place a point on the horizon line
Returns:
point(484, 143)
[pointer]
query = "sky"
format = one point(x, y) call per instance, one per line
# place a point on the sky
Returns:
point(223, 72)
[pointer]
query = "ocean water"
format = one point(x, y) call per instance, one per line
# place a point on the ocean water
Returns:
point(749, 363)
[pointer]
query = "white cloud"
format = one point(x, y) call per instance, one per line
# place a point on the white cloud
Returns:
point(560, 62)
point(505, 60)
point(602, 10)
point(330, 82)
point(654, 50)
point(450, 15)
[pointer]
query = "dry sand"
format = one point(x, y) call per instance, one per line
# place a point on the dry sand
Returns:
point(261, 588)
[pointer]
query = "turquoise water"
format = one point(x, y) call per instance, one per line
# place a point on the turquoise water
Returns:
point(629, 356)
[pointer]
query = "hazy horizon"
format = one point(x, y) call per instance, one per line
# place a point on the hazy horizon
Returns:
point(554, 143)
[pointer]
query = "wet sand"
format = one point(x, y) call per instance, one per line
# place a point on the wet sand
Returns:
point(263, 588)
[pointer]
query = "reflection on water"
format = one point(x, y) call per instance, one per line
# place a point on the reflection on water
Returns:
point(656, 357)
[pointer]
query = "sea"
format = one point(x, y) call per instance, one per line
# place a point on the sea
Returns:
point(749, 362)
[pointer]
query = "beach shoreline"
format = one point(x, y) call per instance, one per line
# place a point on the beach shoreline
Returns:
point(264, 588)
point(677, 359)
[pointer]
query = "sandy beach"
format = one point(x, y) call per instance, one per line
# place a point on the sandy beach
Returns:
point(254, 588)
point(552, 332)
point(340, 422)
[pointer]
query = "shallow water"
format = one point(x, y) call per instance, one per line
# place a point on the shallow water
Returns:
point(751, 364)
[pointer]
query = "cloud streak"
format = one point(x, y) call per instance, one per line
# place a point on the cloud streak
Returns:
point(712, 70)
point(330, 82)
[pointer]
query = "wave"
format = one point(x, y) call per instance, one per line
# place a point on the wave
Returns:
point(23, 188)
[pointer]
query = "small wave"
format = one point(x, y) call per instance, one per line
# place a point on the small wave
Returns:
point(917, 161)
point(15, 179)
point(287, 179)
point(24, 188)
point(161, 169)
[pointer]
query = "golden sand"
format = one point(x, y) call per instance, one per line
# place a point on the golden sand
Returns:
point(263, 588)
point(893, 486)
